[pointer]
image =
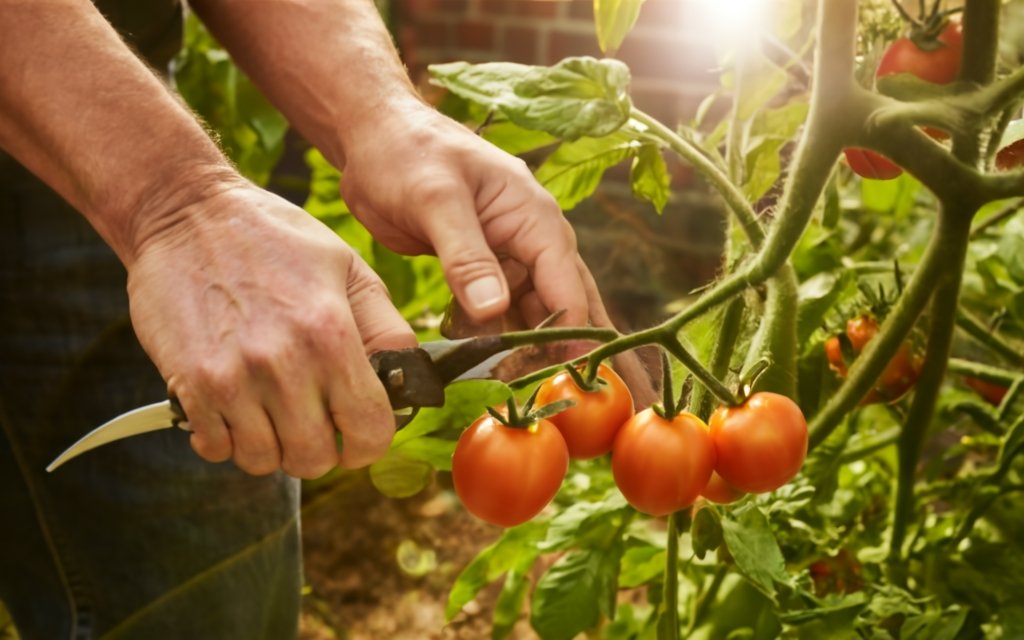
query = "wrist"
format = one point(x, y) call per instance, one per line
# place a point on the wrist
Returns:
point(376, 123)
point(166, 206)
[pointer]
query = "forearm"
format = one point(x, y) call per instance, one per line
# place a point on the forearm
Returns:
point(329, 65)
point(79, 110)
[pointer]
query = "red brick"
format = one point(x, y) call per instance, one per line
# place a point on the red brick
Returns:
point(475, 35)
point(526, 8)
point(433, 33)
point(521, 45)
point(583, 9)
point(413, 8)
point(562, 45)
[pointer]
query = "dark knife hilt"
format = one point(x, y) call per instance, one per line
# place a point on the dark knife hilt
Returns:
point(410, 377)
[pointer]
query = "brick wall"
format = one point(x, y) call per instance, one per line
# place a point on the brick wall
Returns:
point(672, 67)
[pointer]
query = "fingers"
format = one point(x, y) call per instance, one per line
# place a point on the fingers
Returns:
point(470, 267)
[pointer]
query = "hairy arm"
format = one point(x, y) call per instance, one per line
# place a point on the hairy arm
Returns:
point(257, 316)
point(420, 182)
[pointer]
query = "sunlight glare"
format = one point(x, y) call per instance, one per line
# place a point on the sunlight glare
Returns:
point(733, 22)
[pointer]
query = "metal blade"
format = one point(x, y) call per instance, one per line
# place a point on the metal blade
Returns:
point(152, 417)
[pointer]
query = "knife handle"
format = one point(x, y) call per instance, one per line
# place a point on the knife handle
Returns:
point(179, 414)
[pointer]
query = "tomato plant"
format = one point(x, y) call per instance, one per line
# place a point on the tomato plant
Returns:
point(506, 474)
point(661, 465)
point(904, 518)
point(590, 425)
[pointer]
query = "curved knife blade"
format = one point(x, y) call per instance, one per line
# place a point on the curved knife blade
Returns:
point(152, 417)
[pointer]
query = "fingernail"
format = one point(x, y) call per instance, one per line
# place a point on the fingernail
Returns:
point(484, 292)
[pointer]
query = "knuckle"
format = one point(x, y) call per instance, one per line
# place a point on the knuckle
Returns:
point(216, 381)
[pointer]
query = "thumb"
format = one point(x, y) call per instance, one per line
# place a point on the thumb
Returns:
point(470, 267)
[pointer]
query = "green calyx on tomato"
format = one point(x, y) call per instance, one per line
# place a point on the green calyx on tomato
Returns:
point(760, 444)
point(599, 409)
point(661, 465)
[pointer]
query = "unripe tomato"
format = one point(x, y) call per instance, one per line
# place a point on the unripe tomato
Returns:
point(590, 425)
point(760, 444)
point(719, 491)
point(899, 375)
point(660, 465)
point(868, 164)
point(507, 475)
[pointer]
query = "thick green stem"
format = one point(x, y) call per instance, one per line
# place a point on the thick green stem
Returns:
point(733, 197)
point(876, 354)
point(776, 337)
point(870, 445)
point(706, 378)
point(986, 336)
point(946, 297)
point(988, 373)
point(728, 333)
point(668, 625)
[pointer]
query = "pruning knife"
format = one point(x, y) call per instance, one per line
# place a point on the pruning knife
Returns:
point(413, 378)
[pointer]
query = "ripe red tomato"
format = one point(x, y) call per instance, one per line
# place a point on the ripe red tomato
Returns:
point(760, 444)
point(720, 491)
point(899, 375)
point(868, 164)
point(660, 465)
point(589, 427)
point(992, 392)
point(1011, 156)
point(506, 475)
point(938, 65)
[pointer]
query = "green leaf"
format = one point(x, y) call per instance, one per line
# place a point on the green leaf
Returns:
point(768, 133)
point(934, 625)
point(504, 555)
point(755, 550)
point(464, 402)
point(576, 97)
point(397, 273)
point(649, 177)
point(574, 170)
point(890, 196)
point(437, 452)
point(398, 475)
point(613, 19)
point(587, 523)
point(510, 600)
point(641, 565)
point(706, 532)
point(574, 592)
point(1011, 249)
point(818, 295)
point(514, 139)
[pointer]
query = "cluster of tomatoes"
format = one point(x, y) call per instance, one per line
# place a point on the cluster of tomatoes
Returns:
point(936, 60)
point(506, 474)
point(900, 373)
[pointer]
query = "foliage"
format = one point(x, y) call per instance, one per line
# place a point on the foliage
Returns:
point(905, 521)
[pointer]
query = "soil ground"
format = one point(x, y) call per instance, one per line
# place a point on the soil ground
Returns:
point(379, 568)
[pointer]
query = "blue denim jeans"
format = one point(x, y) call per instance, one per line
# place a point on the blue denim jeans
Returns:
point(139, 538)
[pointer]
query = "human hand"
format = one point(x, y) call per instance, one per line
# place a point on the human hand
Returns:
point(260, 319)
point(422, 183)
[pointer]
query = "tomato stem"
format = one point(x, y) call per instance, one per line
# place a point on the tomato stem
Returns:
point(728, 333)
point(668, 624)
